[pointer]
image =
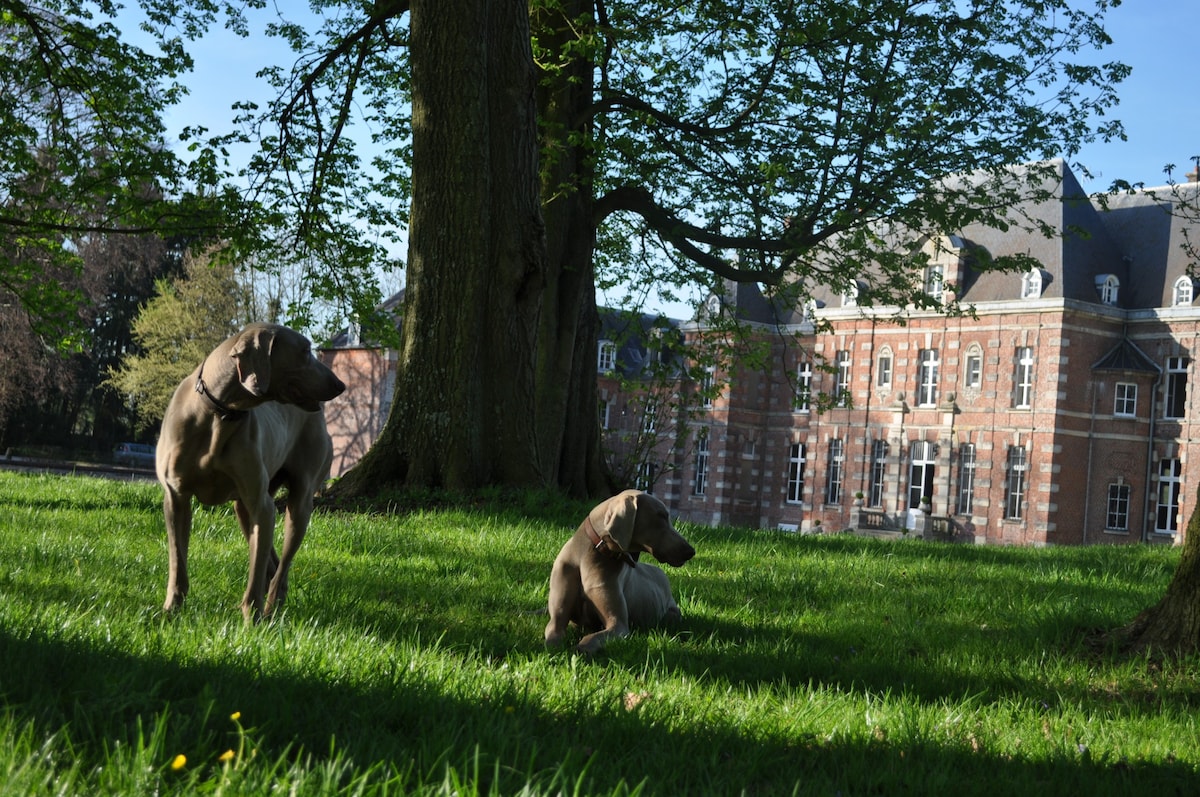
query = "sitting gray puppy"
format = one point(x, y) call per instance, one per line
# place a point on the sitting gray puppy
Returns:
point(596, 581)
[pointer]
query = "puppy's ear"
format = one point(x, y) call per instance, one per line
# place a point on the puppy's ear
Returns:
point(617, 518)
point(251, 354)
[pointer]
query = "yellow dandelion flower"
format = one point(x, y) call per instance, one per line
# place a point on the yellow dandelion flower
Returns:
point(235, 716)
point(226, 756)
point(179, 762)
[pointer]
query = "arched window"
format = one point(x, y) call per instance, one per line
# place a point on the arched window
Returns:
point(1183, 292)
point(972, 376)
point(1031, 284)
point(1107, 286)
point(850, 295)
point(883, 368)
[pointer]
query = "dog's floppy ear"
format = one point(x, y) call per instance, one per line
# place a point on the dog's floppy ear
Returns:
point(251, 354)
point(617, 516)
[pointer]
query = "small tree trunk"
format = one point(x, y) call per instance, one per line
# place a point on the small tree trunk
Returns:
point(1172, 626)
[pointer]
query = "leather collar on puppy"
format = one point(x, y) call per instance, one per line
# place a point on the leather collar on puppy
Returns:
point(609, 545)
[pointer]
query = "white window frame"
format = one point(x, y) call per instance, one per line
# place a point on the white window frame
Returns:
point(884, 369)
point(795, 482)
point(843, 363)
point(605, 413)
point(606, 357)
point(967, 465)
point(1183, 292)
point(935, 280)
point(1108, 286)
point(927, 377)
point(650, 416)
point(700, 480)
point(835, 471)
point(973, 368)
point(647, 474)
point(1125, 396)
point(1175, 388)
point(1166, 509)
point(707, 381)
point(922, 465)
point(1023, 378)
point(1116, 517)
point(804, 378)
point(878, 483)
point(1016, 482)
point(1031, 284)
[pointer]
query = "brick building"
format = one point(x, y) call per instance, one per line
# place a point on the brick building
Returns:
point(1057, 412)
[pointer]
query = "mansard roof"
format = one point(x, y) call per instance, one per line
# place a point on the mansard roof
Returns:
point(1083, 251)
point(1151, 226)
point(745, 300)
point(1136, 239)
point(642, 339)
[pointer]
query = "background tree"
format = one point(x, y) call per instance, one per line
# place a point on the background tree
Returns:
point(83, 152)
point(56, 390)
point(186, 319)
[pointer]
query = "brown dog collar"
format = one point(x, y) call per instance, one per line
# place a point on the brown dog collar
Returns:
point(608, 545)
point(222, 411)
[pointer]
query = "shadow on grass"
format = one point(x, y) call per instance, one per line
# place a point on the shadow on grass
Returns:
point(411, 725)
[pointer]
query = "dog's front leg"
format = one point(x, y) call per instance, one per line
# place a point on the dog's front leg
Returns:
point(260, 536)
point(610, 604)
point(566, 595)
point(177, 512)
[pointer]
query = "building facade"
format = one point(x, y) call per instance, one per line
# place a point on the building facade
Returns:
point(1059, 410)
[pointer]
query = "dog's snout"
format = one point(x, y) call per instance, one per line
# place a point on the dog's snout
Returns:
point(676, 555)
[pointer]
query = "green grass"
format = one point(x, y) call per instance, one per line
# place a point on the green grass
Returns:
point(409, 660)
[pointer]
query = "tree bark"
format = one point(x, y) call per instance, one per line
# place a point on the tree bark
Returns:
point(493, 385)
point(1172, 626)
point(568, 333)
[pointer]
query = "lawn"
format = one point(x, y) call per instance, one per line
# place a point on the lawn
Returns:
point(409, 660)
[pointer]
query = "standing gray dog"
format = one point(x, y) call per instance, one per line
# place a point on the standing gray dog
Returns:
point(596, 581)
point(246, 422)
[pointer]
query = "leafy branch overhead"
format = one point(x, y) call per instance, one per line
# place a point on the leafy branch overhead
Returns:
point(734, 139)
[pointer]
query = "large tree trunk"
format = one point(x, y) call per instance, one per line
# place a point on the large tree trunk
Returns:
point(1172, 626)
point(491, 383)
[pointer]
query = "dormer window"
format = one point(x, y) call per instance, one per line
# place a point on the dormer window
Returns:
point(1107, 286)
point(1183, 292)
point(935, 277)
point(1031, 284)
point(606, 356)
point(850, 295)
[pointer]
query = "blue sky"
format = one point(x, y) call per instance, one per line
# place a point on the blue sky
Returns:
point(1160, 101)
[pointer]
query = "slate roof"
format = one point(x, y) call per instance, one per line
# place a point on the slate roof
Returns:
point(1126, 356)
point(1136, 237)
